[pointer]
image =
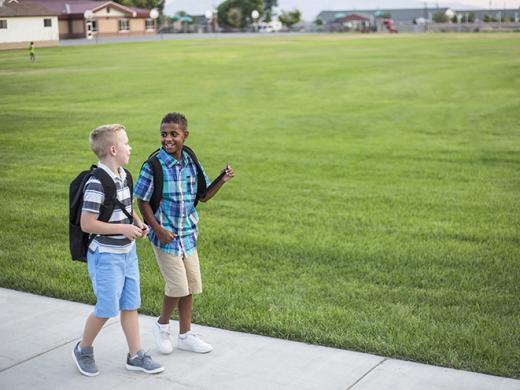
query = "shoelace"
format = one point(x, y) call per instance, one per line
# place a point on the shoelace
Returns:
point(196, 337)
point(165, 333)
point(143, 355)
point(87, 357)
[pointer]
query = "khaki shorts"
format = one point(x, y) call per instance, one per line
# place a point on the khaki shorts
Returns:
point(181, 274)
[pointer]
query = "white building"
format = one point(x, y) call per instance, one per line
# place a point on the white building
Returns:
point(22, 22)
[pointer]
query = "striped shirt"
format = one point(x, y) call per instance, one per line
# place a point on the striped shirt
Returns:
point(176, 212)
point(94, 197)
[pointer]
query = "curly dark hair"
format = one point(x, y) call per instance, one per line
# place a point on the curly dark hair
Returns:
point(177, 118)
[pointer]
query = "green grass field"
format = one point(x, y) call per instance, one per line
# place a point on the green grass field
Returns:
point(376, 205)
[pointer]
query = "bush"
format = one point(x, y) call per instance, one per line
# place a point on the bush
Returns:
point(440, 17)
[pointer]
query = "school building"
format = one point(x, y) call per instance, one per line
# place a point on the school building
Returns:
point(46, 21)
point(108, 18)
point(22, 22)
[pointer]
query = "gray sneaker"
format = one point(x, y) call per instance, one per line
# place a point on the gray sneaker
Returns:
point(143, 362)
point(85, 360)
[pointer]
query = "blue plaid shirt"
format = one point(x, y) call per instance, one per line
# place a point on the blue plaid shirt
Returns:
point(176, 211)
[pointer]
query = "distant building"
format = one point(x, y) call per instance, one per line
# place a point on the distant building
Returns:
point(397, 15)
point(408, 15)
point(348, 22)
point(22, 22)
point(109, 18)
point(493, 14)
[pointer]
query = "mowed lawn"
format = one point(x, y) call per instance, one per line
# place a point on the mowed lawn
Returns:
point(377, 200)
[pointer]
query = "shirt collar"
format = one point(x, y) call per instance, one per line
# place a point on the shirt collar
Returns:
point(171, 161)
point(122, 173)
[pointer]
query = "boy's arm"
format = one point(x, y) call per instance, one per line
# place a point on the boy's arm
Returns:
point(230, 174)
point(90, 224)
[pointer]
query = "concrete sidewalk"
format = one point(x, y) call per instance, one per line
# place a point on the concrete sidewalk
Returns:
point(37, 335)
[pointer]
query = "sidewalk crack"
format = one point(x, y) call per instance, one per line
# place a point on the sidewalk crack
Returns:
point(366, 374)
point(49, 350)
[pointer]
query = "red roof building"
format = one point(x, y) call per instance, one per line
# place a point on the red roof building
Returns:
point(108, 18)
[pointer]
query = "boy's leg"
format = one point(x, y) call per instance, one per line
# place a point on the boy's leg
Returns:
point(103, 277)
point(185, 313)
point(130, 325)
point(93, 326)
point(129, 302)
point(83, 352)
point(137, 359)
point(168, 306)
point(175, 286)
point(188, 340)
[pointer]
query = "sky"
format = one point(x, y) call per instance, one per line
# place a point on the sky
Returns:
point(311, 8)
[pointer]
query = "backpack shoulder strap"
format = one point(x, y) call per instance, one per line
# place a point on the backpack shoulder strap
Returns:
point(191, 153)
point(156, 167)
point(201, 181)
point(109, 188)
point(130, 183)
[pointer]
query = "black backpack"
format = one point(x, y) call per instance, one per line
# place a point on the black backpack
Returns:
point(158, 177)
point(79, 240)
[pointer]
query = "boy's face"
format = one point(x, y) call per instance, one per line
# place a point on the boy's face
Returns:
point(122, 148)
point(172, 137)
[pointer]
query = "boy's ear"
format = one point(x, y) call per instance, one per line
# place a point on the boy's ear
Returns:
point(186, 133)
point(112, 150)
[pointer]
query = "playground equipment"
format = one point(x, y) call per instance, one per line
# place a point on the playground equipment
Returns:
point(389, 24)
point(384, 19)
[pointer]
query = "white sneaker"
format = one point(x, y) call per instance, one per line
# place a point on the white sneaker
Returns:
point(161, 334)
point(192, 342)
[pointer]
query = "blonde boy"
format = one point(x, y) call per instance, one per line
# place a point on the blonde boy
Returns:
point(112, 258)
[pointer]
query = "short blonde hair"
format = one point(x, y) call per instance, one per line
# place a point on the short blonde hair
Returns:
point(102, 137)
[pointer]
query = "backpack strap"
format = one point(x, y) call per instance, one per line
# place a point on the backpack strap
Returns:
point(111, 201)
point(130, 184)
point(158, 178)
point(157, 172)
point(201, 182)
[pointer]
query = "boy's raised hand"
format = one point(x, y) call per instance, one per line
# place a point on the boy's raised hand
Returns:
point(230, 173)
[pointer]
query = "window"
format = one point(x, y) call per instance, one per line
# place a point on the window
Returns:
point(123, 25)
point(3, 23)
point(94, 26)
point(150, 25)
point(47, 22)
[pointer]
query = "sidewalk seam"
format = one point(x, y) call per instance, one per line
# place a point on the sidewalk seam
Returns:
point(366, 374)
point(49, 350)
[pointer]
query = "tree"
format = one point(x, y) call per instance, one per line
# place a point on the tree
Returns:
point(440, 17)
point(237, 13)
point(268, 9)
point(290, 18)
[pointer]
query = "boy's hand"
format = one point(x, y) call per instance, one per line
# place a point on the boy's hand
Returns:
point(144, 230)
point(165, 236)
point(131, 231)
point(230, 174)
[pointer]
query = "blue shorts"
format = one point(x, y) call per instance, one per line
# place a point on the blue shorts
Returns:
point(115, 281)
